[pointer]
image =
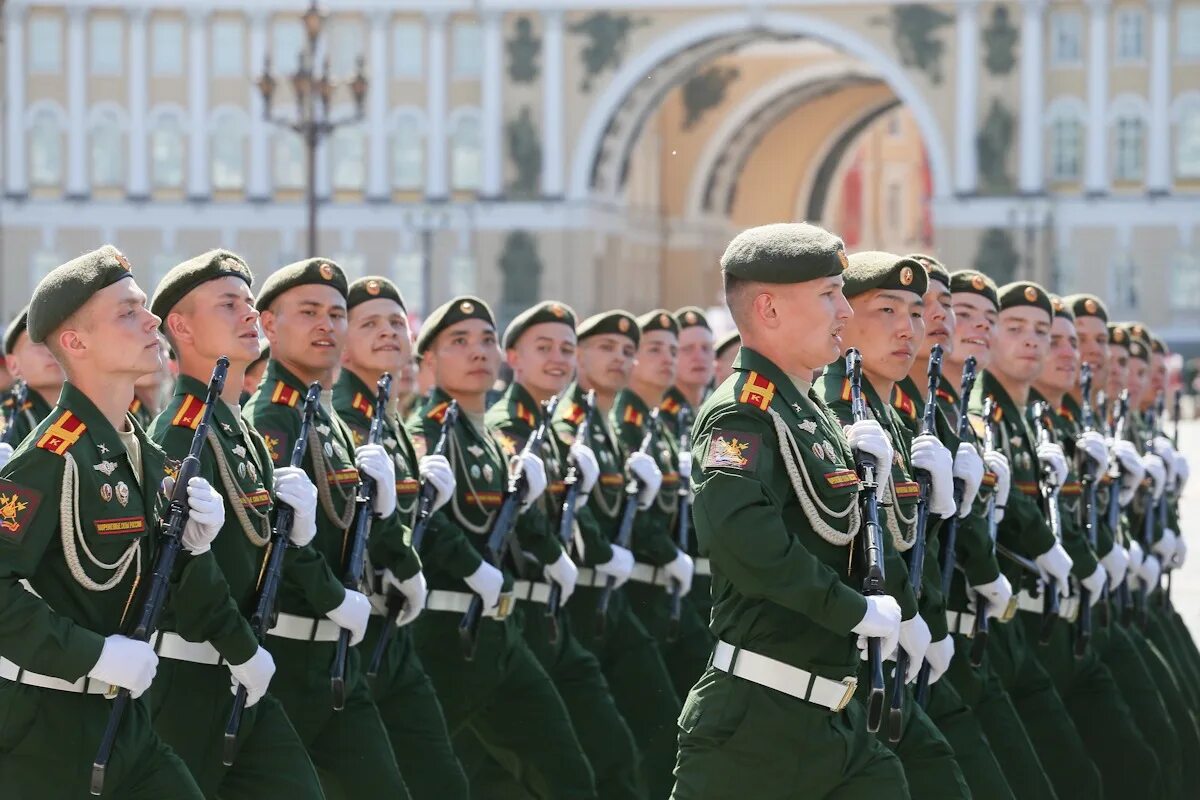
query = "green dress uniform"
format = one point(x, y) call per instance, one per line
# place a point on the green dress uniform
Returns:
point(403, 692)
point(670, 410)
point(141, 413)
point(26, 419)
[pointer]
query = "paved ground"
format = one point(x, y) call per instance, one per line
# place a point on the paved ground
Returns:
point(1185, 588)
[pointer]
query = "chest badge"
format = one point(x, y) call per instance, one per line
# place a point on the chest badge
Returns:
point(390, 443)
point(105, 467)
point(818, 450)
point(323, 429)
point(474, 471)
point(475, 450)
point(106, 493)
point(808, 426)
point(225, 426)
point(123, 493)
point(239, 451)
point(242, 470)
point(488, 472)
point(251, 471)
point(328, 450)
point(102, 447)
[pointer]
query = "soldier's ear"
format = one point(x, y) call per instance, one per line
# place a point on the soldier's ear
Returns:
point(765, 310)
point(266, 321)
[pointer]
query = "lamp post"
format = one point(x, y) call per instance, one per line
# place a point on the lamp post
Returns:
point(314, 93)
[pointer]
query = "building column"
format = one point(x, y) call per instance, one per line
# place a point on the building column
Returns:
point(1158, 161)
point(138, 185)
point(1031, 174)
point(197, 61)
point(553, 179)
point(16, 178)
point(77, 132)
point(491, 107)
point(258, 186)
point(379, 173)
point(966, 98)
point(437, 185)
point(1095, 180)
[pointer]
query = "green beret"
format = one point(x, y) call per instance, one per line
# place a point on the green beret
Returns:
point(1061, 309)
point(972, 282)
point(182, 278)
point(875, 269)
point(14, 330)
point(1138, 333)
point(373, 287)
point(933, 268)
point(1131, 336)
point(622, 323)
point(1157, 345)
point(460, 308)
point(786, 252)
point(1024, 293)
point(691, 317)
point(64, 291)
point(546, 311)
point(1118, 335)
point(658, 320)
point(320, 271)
point(731, 339)
point(1087, 305)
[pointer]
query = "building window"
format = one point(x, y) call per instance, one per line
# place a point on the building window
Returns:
point(1188, 43)
point(408, 270)
point(353, 264)
point(1185, 282)
point(348, 154)
point(166, 153)
point(462, 274)
point(43, 262)
point(1066, 149)
point(1131, 35)
point(1124, 285)
point(408, 50)
point(345, 46)
point(408, 153)
point(1130, 142)
point(287, 40)
point(466, 159)
point(45, 45)
point(468, 47)
point(895, 209)
point(160, 264)
point(108, 152)
point(106, 46)
point(228, 49)
point(45, 149)
point(289, 160)
point(167, 43)
point(1066, 39)
point(229, 153)
point(1187, 144)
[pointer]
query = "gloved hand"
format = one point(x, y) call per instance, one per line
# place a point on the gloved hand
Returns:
point(915, 639)
point(645, 469)
point(1180, 554)
point(6, 451)
point(1136, 557)
point(968, 468)
point(565, 574)
point(352, 615)
point(1164, 548)
point(1126, 455)
point(534, 471)
point(620, 566)
point(1057, 564)
point(487, 582)
point(881, 621)
point(938, 655)
point(1166, 451)
point(255, 674)
point(126, 663)
point(1094, 584)
point(415, 592)
point(998, 594)
point(997, 463)
point(931, 455)
point(587, 471)
point(293, 487)
point(1182, 471)
point(1116, 563)
point(1051, 454)
point(206, 515)
point(685, 464)
point(1157, 471)
point(681, 569)
point(1093, 446)
point(1150, 572)
point(436, 470)
point(374, 460)
point(868, 437)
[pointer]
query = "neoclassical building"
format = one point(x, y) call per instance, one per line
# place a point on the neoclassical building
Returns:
point(605, 153)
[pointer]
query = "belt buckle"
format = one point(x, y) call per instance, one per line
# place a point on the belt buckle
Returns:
point(504, 606)
point(851, 684)
point(1011, 610)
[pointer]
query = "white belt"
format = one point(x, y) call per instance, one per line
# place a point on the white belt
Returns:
point(533, 591)
point(85, 685)
point(589, 576)
point(305, 629)
point(648, 573)
point(781, 677)
point(1068, 607)
point(703, 566)
point(961, 622)
point(175, 647)
point(444, 600)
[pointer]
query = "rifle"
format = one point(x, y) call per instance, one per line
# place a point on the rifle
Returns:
point(395, 601)
point(871, 553)
point(1120, 418)
point(269, 580)
point(352, 568)
point(502, 528)
point(916, 554)
point(1050, 504)
point(155, 596)
point(20, 392)
point(682, 523)
point(1091, 483)
point(625, 531)
point(1142, 600)
point(1160, 408)
point(566, 521)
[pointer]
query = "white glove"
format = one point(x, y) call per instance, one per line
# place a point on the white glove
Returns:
point(255, 674)
point(938, 655)
point(563, 572)
point(1051, 454)
point(436, 470)
point(1094, 584)
point(414, 590)
point(1136, 557)
point(374, 460)
point(997, 463)
point(6, 451)
point(1092, 445)
point(998, 594)
point(968, 468)
point(486, 581)
point(649, 477)
point(1157, 471)
point(293, 487)
point(1057, 564)
point(882, 621)
point(915, 639)
point(1164, 450)
point(868, 437)
point(206, 515)
point(685, 464)
point(534, 471)
point(587, 471)
point(1182, 471)
point(931, 455)
point(620, 566)
point(352, 615)
point(681, 569)
point(1132, 470)
point(1180, 554)
point(126, 663)
point(1150, 572)
point(1164, 548)
point(1116, 563)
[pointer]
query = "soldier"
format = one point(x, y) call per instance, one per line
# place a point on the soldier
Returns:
point(378, 341)
point(501, 695)
point(82, 499)
point(207, 307)
point(723, 354)
point(776, 511)
point(34, 364)
point(303, 314)
point(255, 371)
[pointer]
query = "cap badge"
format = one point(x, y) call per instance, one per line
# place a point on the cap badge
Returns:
point(1137, 330)
point(663, 321)
point(122, 261)
point(1058, 304)
point(1089, 306)
point(326, 271)
point(1031, 294)
point(1118, 335)
point(623, 325)
point(977, 283)
point(690, 317)
point(466, 306)
point(372, 287)
point(557, 310)
point(231, 264)
point(845, 262)
point(906, 276)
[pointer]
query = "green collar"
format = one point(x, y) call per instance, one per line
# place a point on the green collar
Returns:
point(222, 413)
point(748, 360)
point(100, 431)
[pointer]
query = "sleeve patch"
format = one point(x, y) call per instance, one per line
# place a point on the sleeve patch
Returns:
point(18, 504)
point(276, 444)
point(732, 450)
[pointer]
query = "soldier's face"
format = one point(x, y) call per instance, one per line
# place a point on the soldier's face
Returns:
point(810, 317)
point(1062, 367)
point(723, 364)
point(939, 320)
point(253, 375)
point(306, 326)
point(887, 328)
point(1158, 374)
point(465, 358)
point(35, 364)
point(377, 338)
point(218, 318)
point(974, 327)
point(543, 360)
point(1093, 346)
point(606, 362)
point(657, 358)
point(116, 334)
point(1019, 352)
point(1136, 380)
point(695, 356)
point(1118, 371)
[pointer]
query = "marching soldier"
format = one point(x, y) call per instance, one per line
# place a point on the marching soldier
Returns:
point(303, 314)
point(33, 363)
point(776, 508)
point(724, 352)
point(254, 372)
point(80, 506)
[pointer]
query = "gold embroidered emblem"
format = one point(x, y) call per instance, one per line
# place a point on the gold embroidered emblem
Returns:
point(727, 453)
point(10, 506)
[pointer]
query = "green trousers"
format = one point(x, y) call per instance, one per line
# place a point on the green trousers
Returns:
point(350, 748)
point(1174, 642)
point(972, 750)
point(638, 678)
point(686, 647)
point(1183, 718)
point(190, 704)
point(739, 739)
point(508, 701)
point(48, 740)
point(409, 708)
point(928, 759)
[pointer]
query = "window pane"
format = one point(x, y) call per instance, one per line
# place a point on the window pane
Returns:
point(108, 157)
point(345, 46)
point(229, 155)
point(1129, 148)
point(1187, 147)
point(1065, 149)
point(1185, 282)
point(408, 156)
point(1188, 44)
point(408, 52)
point(409, 279)
point(466, 159)
point(43, 262)
point(468, 43)
point(166, 154)
point(44, 49)
point(287, 39)
point(228, 49)
point(353, 264)
point(106, 47)
point(289, 161)
point(45, 150)
point(349, 159)
point(462, 274)
point(1130, 42)
point(1066, 30)
point(167, 45)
